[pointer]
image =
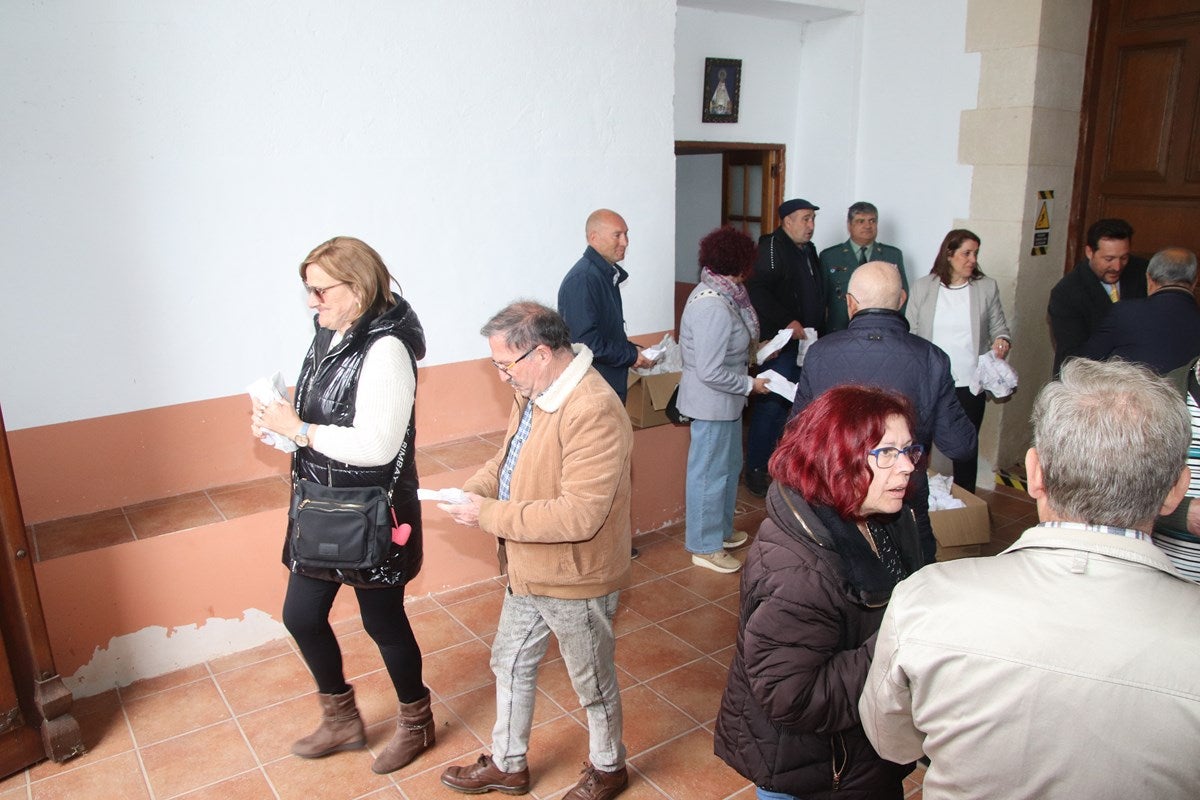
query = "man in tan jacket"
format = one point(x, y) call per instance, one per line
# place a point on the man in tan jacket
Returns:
point(556, 496)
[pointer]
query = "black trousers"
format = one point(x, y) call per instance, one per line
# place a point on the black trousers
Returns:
point(306, 616)
point(973, 405)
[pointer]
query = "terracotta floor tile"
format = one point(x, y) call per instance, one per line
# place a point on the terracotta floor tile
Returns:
point(173, 768)
point(437, 629)
point(708, 627)
point(119, 776)
point(650, 652)
point(724, 657)
point(453, 740)
point(627, 620)
point(251, 656)
point(175, 711)
point(160, 683)
point(108, 701)
point(265, 683)
point(640, 574)
point(730, 602)
point(477, 710)
point(463, 453)
point(428, 465)
point(173, 514)
point(105, 733)
point(360, 655)
point(665, 557)
point(420, 604)
point(80, 534)
point(695, 688)
point(495, 437)
point(272, 730)
point(453, 596)
point(250, 498)
point(708, 584)
point(649, 720)
point(557, 751)
point(687, 768)
point(458, 669)
point(250, 785)
point(660, 599)
point(348, 774)
point(748, 500)
point(480, 615)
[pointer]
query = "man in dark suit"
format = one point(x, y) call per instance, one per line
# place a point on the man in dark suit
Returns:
point(787, 291)
point(837, 262)
point(1161, 331)
point(1086, 294)
point(878, 350)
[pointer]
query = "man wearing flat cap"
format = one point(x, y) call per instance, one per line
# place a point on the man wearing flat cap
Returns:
point(787, 290)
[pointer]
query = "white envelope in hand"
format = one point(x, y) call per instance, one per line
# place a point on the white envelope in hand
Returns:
point(779, 385)
point(768, 349)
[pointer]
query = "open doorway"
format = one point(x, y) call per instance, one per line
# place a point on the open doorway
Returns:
point(722, 183)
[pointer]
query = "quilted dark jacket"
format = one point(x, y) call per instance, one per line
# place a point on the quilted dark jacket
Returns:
point(878, 350)
point(812, 599)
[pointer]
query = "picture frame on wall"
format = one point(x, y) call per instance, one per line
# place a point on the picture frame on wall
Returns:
point(722, 89)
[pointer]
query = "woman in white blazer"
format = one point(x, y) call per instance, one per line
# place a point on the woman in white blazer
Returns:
point(958, 308)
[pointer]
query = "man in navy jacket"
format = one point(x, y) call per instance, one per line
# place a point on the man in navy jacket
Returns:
point(876, 349)
point(1087, 293)
point(589, 299)
point(1161, 331)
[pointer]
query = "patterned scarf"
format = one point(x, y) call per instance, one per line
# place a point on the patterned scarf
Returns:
point(735, 292)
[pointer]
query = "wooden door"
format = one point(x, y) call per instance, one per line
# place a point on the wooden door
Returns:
point(35, 718)
point(1139, 155)
point(751, 182)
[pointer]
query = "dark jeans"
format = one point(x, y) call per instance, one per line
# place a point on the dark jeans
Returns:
point(965, 468)
point(306, 616)
point(769, 412)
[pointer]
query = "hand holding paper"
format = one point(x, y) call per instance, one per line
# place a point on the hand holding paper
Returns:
point(768, 349)
point(779, 385)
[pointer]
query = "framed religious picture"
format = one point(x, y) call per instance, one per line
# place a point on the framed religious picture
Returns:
point(722, 89)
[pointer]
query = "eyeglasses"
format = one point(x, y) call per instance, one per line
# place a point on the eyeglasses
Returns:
point(506, 367)
point(886, 456)
point(320, 291)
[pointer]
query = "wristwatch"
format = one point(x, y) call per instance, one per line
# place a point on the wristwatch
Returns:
point(301, 438)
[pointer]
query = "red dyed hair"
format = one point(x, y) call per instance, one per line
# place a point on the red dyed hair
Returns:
point(823, 451)
point(728, 251)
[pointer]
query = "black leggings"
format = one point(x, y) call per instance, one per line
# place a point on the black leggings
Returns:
point(965, 468)
point(306, 616)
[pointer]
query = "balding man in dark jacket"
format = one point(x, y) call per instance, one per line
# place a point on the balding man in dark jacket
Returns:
point(878, 350)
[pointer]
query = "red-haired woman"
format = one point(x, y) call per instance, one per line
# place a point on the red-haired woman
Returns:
point(838, 537)
point(715, 334)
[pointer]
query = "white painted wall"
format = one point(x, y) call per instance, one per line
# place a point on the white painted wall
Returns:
point(697, 209)
point(867, 104)
point(164, 167)
point(901, 74)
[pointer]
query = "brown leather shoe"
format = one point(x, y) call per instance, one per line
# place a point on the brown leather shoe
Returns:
point(485, 776)
point(598, 785)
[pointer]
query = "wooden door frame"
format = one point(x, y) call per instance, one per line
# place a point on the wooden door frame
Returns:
point(1076, 226)
point(774, 163)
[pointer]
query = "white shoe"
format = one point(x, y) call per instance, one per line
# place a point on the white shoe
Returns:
point(736, 540)
point(719, 561)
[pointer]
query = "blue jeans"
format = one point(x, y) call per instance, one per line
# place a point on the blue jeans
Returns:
point(769, 412)
point(585, 639)
point(714, 461)
point(763, 794)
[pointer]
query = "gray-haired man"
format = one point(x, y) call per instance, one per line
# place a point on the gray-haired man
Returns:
point(1072, 659)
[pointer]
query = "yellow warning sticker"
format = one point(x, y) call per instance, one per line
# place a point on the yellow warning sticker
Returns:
point(1043, 219)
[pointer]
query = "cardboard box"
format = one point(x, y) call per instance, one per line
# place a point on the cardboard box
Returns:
point(648, 396)
point(961, 531)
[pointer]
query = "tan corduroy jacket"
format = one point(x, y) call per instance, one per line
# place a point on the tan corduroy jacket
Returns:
point(566, 529)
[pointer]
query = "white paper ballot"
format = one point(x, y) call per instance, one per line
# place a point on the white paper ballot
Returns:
point(267, 391)
point(810, 338)
point(652, 353)
point(779, 385)
point(450, 495)
point(776, 344)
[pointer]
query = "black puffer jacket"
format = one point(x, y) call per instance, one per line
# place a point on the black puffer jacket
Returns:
point(812, 599)
point(325, 395)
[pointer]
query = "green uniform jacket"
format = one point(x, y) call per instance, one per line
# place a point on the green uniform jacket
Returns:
point(837, 263)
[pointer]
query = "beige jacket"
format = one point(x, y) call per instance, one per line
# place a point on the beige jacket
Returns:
point(1066, 667)
point(565, 531)
point(987, 315)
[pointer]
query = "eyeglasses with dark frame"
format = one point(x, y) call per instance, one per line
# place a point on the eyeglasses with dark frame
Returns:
point(320, 291)
point(506, 367)
point(885, 457)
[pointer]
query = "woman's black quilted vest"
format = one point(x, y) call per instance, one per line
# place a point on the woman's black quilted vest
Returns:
point(325, 395)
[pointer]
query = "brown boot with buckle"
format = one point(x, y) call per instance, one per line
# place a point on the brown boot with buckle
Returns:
point(485, 776)
point(415, 733)
point(597, 784)
point(341, 728)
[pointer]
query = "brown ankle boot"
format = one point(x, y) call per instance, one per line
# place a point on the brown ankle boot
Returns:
point(341, 728)
point(415, 733)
